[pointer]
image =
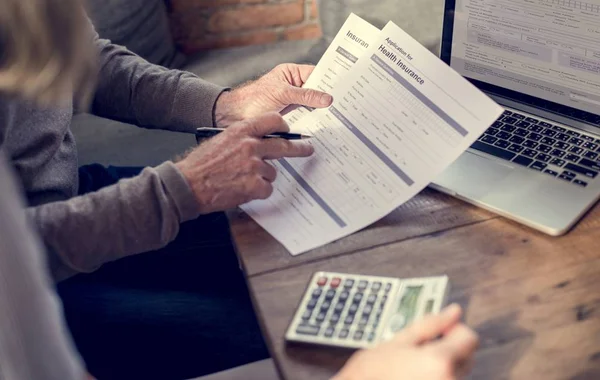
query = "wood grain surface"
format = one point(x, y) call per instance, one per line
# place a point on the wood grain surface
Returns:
point(534, 299)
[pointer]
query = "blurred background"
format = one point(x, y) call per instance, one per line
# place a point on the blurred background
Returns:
point(227, 42)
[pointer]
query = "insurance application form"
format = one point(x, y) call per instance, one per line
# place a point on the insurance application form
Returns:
point(399, 118)
point(351, 42)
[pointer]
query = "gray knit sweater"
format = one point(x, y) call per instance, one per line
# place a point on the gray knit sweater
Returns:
point(133, 216)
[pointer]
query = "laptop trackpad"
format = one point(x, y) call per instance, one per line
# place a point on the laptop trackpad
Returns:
point(473, 176)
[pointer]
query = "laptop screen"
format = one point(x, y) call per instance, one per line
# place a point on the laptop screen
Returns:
point(543, 53)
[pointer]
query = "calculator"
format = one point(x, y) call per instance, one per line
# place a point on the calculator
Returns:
point(356, 311)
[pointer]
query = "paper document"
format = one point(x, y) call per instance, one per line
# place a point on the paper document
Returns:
point(400, 117)
point(352, 41)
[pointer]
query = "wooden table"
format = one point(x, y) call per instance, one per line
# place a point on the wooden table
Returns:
point(534, 299)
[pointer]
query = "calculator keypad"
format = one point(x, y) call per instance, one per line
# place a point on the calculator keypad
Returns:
point(356, 311)
point(346, 309)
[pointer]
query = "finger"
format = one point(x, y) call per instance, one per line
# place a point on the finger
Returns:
point(294, 74)
point(459, 343)
point(430, 327)
point(264, 125)
point(307, 97)
point(262, 189)
point(273, 149)
point(304, 71)
point(268, 172)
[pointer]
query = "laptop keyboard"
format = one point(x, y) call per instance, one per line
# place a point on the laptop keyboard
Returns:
point(556, 151)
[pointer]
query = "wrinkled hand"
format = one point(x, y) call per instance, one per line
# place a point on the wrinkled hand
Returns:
point(230, 169)
point(414, 354)
point(276, 90)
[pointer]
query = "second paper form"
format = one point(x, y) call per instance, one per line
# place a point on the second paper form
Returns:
point(399, 118)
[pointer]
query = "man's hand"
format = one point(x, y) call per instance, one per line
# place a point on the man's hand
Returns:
point(415, 354)
point(276, 90)
point(230, 169)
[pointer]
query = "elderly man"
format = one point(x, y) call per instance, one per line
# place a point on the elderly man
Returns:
point(183, 310)
point(153, 311)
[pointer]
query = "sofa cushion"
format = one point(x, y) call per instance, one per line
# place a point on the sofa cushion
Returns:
point(140, 25)
point(422, 19)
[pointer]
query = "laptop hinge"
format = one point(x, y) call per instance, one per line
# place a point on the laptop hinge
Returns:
point(560, 119)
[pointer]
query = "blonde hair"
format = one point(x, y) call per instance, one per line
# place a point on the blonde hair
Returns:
point(46, 51)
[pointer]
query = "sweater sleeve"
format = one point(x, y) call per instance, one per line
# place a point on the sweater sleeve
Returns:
point(34, 340)
point(133, 216)
point(132, 90)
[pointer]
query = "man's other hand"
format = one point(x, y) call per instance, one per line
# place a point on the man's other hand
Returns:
point(416, 353)
point(276, 90)
point(230, 169)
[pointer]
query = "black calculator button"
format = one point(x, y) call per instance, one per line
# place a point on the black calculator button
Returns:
point(343, 334)
point(371, 300)
point(330, 294)
point(358, 335)
point(388, 287)
point(320, 317)
point(371, 337)
point(383, 299)
point(362, 285)
point(329, 332)
point(348, 283)
point(367, 310)
point(317, 293)
point(352, 310)
point(325, 306)
point(364, 320)
point(311, 304)
point(376, 286)
point(580, 183)
point(344, 296)
point(339, 307)
point(357, 298)
point(349, 319)
point(306, 315)
point(335, 318)
point(308, 330)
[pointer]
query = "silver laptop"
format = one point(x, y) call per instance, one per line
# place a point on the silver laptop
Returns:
point(539, 163)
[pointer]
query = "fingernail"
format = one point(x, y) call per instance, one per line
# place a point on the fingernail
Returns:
point(452, 309)
point(326, 99)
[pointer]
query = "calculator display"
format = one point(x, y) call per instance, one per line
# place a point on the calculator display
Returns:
point(409, 301)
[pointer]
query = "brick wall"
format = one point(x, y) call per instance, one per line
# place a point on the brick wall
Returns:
point(208, 24)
